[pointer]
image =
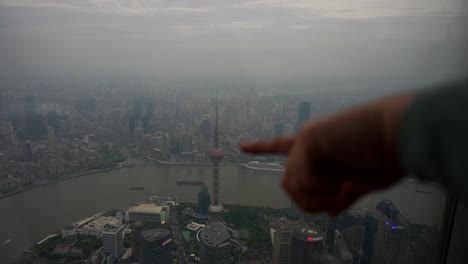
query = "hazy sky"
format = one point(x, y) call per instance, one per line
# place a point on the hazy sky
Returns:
point(264, 43)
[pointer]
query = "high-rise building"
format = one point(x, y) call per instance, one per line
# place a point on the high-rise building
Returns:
point(131, 123)
point(281, 230)
point(27, 151)
point(51, 135)
point(6, 133)
point(294, 213)
point(205, 127)
point(341, 249)
point(52, 120)
point(426, 246)
point(138, 132)
point(157, 247)
point(303, 115)
point(216, 156)
point(354, 237)
point(332, 225)
point(391, 240)
point(203, 200)
point(137, 241)
point(371, 225)
point(215, 245)
point(288, 129)
point(30, 105)
point(112, 240)
point(118, 121)
point(4, 104)
point(353, 228)
point(279, 130)
point(306, 246)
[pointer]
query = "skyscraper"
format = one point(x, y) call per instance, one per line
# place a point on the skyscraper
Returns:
point(112, 240)
point(281, 230)
point(51, 136)
point(138, 132)
point(216, 156)
point(203, 200)
point(391, 240)
point(157, 247)
point(354, 237)
point(6, 133)
point(294, 213)
point(215, 246)
point(330, 232)
point(303, 115)
point(279, 130)
point(27, 151)
point(137, 241)
point(30, 105)
point(353, 228)
point(371, 224)
point(426, 246)
point(306, 245)
point(52, 120)
point(341, 249)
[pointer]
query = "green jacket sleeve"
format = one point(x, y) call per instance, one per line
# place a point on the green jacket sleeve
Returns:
point(433, 137)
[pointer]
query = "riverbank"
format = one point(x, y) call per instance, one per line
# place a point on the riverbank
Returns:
point(247, 166)
point(161, 162)
point(68, 177)
point(242, 165)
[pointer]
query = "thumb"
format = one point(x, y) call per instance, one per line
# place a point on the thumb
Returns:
point(279, 145)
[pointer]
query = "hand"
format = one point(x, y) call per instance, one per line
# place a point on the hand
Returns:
point(333, 161)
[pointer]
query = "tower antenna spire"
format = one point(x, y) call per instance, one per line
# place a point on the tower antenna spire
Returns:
point(216, 156)
point(216, 130)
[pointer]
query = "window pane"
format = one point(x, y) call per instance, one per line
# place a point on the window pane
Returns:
point(120, 125)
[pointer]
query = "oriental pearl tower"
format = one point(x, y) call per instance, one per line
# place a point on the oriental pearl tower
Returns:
point(216, 156)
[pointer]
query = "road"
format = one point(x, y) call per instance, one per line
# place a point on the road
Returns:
point(177, 237)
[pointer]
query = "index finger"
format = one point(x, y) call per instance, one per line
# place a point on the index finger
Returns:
point(279, 145)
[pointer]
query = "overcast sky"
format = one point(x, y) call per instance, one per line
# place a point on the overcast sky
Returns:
point(262, 42)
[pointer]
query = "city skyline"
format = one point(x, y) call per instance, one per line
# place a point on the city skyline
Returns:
point(121, 126)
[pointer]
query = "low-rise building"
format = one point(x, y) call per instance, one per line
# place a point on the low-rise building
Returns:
point(96, 227)
point(194, 226)
point(149, 213)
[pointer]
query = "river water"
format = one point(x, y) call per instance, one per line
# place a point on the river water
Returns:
point(30, 216)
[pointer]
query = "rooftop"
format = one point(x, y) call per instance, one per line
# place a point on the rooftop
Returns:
point(214, 234)
point(149, 208)
point(113, 228)
point(102, 222)
point(309, 234)
point(155, 234)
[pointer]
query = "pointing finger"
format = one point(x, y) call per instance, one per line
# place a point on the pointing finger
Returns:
point(279, 145)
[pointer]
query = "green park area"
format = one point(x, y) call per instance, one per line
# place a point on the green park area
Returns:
point(251, 223)
point(186, 235)
point(85, 245)
point(111, 157)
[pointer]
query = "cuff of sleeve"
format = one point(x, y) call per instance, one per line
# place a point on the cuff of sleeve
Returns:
point(433, 131)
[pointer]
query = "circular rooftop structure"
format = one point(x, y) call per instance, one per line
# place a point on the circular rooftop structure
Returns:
point(214, 234)
point(216, 209)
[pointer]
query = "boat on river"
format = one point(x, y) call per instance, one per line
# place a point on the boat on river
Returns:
point(263, 166)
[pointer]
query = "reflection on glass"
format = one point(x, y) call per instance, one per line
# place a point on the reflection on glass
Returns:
point(120, 124)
